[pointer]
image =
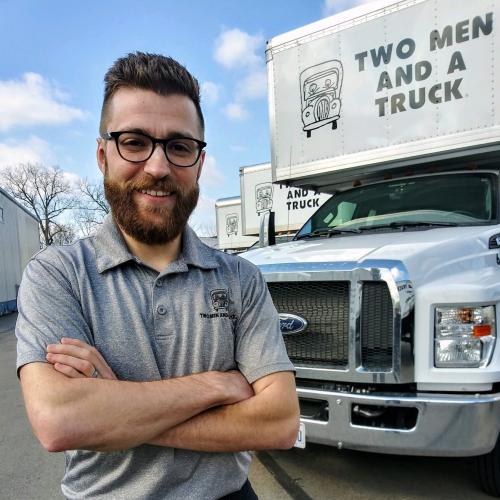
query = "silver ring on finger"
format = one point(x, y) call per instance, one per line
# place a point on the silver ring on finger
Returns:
point(95, 373)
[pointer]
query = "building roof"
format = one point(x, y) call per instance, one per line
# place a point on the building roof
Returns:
point(13, 200)
point(228, 202)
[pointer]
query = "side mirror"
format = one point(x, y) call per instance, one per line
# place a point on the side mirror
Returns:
point(267, 234)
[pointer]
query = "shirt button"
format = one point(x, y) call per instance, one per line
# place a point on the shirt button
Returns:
point(161, 310)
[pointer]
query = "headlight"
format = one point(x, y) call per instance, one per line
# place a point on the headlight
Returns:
point(464, 337)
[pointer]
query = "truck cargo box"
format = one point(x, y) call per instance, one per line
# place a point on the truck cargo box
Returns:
point(229, 227)
point(370, 90)
point(292, 206)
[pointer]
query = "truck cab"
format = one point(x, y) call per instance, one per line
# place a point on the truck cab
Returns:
point(397, 284)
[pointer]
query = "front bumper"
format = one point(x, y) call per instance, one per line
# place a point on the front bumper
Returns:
point(445, 425)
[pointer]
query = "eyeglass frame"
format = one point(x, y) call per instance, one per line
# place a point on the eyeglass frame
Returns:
point(108, 136)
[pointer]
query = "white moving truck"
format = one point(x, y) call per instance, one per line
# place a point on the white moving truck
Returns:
point(230, 235)
point(389, 295)
point(292, 206)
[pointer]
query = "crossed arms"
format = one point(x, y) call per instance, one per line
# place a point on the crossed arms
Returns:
point(209, 411)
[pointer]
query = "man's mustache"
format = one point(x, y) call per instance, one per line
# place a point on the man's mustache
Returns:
point(152, 185)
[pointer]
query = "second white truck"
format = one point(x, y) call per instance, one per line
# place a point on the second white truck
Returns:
point(291, 206)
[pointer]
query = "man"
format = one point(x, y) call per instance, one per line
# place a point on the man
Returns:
point(165, 359)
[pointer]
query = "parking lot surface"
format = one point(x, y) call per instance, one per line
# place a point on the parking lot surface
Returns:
point(318, 472)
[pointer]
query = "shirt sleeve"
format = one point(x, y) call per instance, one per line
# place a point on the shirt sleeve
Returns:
point(260, 349)
point(48, 309)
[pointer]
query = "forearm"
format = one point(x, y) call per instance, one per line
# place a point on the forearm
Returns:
point(269, 420)
point(110, 415)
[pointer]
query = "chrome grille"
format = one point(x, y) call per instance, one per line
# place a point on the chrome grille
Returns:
point(325, 306)
point(377, 330)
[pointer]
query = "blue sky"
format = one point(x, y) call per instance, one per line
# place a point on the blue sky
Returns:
point(54, 55)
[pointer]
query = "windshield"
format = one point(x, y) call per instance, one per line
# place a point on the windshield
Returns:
point(440, 200)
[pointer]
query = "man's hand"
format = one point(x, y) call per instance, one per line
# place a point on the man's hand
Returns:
point(269, 420)
point(235, 384)
point(77, 359)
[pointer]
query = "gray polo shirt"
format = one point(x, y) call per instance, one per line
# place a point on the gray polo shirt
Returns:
point(205, 311)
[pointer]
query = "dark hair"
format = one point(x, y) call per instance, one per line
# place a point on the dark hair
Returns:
point(155, 72)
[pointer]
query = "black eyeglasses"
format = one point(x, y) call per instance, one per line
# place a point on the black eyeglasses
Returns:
point(137, 147)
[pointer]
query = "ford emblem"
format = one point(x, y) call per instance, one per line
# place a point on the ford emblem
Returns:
point(290, 324)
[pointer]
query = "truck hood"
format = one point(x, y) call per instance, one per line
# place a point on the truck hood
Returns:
point(427, 254)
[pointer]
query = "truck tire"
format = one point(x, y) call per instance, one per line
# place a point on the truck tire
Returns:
point(488, 471)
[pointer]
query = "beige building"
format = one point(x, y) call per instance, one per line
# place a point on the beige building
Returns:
point(19, 240)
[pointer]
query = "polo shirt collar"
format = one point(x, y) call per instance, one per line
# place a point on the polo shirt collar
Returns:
point(111, 249)
point(195, 252)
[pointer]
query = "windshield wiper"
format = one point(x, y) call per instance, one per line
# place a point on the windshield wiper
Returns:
point(404, 224)
point(328, 231)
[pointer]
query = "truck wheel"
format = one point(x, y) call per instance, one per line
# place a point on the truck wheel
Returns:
point(488, 471)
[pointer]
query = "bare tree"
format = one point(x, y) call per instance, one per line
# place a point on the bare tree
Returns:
point(65, 235)
point(45, 192)
point(92, 206)
point(94, 191)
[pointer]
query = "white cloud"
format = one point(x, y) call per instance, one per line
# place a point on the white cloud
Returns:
point(331, 7)
point(209, 92)
point(241, 51)
point(253, 85)
point(33, 101)
point(210, 175)
point(205, 203)
point(236, 111)
point(72, 179)
point(32, 150)
point(202, 219)
point(237, 148)
point(235, 48)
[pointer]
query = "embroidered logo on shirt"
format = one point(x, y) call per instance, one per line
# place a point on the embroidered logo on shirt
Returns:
point(220, 303)
point(220, 299)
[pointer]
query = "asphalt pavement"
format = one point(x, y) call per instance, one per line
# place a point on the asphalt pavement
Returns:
point(27, 471)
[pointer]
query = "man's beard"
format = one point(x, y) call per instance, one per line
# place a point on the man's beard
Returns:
point(131, 218)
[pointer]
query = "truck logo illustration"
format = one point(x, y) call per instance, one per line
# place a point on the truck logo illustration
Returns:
point(320, 87)
point(220, 299)
point(291, 324)
point(232, 224)
point(263, 197)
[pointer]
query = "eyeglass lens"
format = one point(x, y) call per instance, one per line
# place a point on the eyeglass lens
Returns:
point(137, 147)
